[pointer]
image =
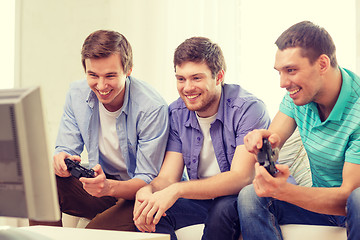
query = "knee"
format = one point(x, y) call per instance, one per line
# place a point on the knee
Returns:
point(353, 202)
point(224, 207)
point(247, 195)
point(247, 200)
point(223, 220)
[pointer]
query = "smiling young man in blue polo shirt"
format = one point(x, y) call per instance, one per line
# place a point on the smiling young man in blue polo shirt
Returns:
point(123, 124)
point(323, 102)
point(207, 126)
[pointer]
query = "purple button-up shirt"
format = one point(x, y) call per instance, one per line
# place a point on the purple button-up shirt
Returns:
point(239, 113)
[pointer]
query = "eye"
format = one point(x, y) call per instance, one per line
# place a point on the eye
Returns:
point(180, 79)
point(111, 76)
point(291, 70)
point(92, 75)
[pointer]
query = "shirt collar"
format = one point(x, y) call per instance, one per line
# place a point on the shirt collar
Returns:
point(344, 97)
point(338, 110)
point(91, 99)
point(125, 106)
point(220, 112)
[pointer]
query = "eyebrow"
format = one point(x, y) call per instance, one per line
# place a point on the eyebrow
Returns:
point(284, 67)
point(192, 75)
point(109, 73)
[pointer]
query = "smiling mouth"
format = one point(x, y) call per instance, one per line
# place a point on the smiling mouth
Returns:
point(294, 91)
point(102, 93)
point(192, 96)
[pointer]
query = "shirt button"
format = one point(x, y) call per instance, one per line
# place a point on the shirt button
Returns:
point(194, 160)
point(198, 138)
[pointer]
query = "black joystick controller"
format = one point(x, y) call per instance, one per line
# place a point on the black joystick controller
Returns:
point(267, 157)
point(77, 170)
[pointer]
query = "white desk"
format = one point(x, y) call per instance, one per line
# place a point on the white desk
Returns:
point(63, 233)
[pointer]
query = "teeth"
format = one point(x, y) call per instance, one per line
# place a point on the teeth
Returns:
point(192, 96)
point(104, 93)
point(294, 91)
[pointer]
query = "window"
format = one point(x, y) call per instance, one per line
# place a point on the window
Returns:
point(7, 43)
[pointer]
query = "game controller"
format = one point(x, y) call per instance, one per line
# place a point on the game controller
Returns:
point(77, 170)
point(267, 157)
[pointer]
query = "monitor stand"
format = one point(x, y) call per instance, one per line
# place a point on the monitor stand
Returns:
point(20, 234)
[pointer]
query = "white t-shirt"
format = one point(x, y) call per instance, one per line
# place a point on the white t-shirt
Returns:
point(109, 142)
point(208, 165)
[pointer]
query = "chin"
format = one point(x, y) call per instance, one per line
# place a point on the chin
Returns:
point(300, 103)
point(191, 108)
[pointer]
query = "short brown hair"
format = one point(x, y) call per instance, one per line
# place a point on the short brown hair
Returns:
point(199, 49)
point(103, 43)
point(312, 39)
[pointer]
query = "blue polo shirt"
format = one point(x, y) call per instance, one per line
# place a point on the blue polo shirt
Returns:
point(239, 113)
point(142, 128)
point(336, 140)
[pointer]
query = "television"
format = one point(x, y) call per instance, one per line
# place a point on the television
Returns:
point(27, 179)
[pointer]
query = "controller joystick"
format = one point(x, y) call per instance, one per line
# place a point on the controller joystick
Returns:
point(267, 157)
point(77, 170)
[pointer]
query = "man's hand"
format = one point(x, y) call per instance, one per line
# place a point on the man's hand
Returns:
point(141, 200)
point(151, 209)
point(266, 185)
point(98, 186)
point(253, 140)
point(60, 168)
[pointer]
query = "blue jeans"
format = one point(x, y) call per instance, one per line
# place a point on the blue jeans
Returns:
point(219, 216)
point(260, 218)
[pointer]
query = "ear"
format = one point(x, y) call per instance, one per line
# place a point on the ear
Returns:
point(220, 77)
point(129, 72)
point(324, 63)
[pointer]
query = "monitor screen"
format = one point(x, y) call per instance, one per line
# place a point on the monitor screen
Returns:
point(27, 179)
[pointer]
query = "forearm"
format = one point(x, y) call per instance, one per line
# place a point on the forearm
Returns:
point(156, 185)
point(226, 183)
point(330, 201)
point(125, 189)
point(159, 183)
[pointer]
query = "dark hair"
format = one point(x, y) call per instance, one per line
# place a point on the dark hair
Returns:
point(312, 39)
point(103, 43)
point(200, 49)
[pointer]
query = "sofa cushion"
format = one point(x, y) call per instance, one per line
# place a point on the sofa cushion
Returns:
point(294, 155)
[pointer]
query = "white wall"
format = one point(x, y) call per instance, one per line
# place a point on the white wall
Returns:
point(50, 34)
point(263, 21)
point(357, 39)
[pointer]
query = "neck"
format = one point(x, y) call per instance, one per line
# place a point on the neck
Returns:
point(332, 88)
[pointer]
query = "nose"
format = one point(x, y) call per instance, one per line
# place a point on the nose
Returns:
point(101, 83)
point(188, 86)
point(284, 81)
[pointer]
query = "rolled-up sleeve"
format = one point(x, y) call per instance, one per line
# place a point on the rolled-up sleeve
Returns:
point(153, 132)
point(69, 138)
point(174, 143)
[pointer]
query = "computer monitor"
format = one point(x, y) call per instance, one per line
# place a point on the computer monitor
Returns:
point(27, 179)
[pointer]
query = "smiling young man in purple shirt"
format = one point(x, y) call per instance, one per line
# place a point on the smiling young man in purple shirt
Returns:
point(207, 126)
